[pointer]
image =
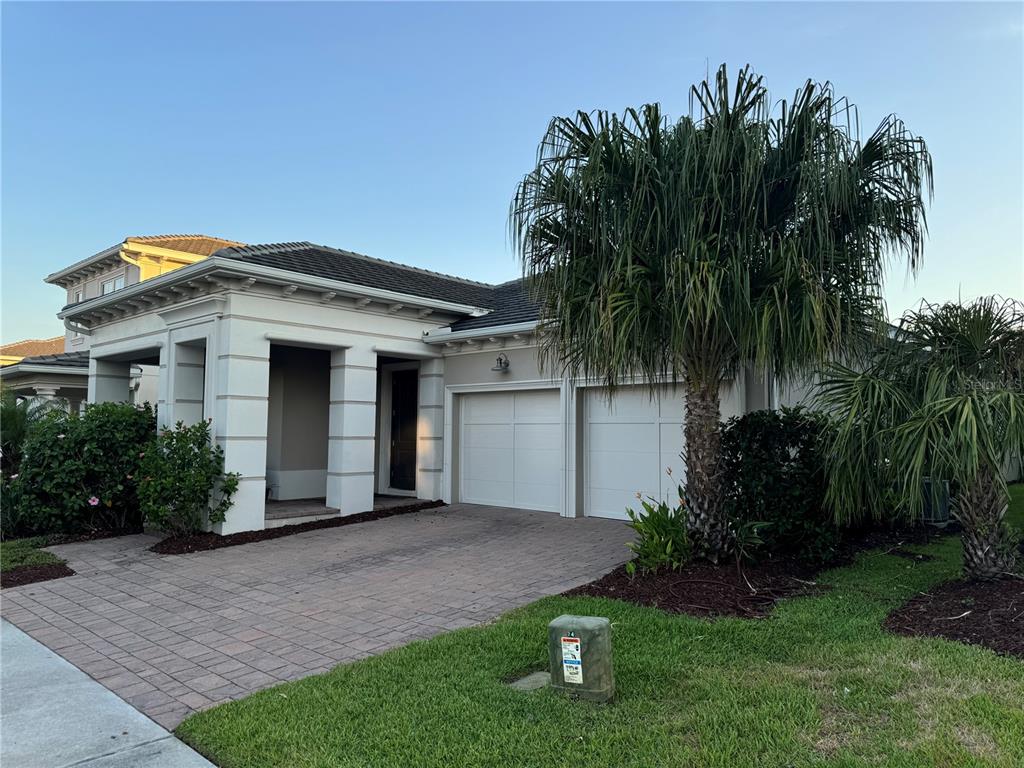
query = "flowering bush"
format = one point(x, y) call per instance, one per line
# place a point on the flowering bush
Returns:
point(184, 487)
point(78, 472)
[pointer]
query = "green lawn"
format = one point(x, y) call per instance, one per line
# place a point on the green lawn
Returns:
point(19, 552)
point(817, 684)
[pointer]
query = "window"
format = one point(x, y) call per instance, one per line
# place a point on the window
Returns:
point(109, 286)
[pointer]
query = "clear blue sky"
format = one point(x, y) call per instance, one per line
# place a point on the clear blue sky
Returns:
point(401, 130)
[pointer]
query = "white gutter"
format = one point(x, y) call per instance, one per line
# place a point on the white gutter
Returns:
point(238, 268)
point(444, 335)
point(67, 370)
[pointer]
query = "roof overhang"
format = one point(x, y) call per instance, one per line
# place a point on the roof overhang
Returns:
point(85, 268)
point(217, 273)
point(21, 368)
point(448, 336)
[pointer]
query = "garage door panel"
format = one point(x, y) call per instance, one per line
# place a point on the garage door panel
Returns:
point(487, 435)
point(543, 437)
point(489, 491)
point(628, 404)
point(617, 437)
point(540, 496)
point(489, 408)
point(628, 471)
point(543, 407)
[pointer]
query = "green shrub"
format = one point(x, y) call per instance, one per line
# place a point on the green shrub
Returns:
point(79, 473)
point(183, 485)
point(773, 472)
point(16, 419)
point(661, 540)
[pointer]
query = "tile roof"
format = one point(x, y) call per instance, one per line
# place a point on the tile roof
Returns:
point(68, 359)
point(30, 347)
point(346, 266)
point(200, 245)
point(512, 303)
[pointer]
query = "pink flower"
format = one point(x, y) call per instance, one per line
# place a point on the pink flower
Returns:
point(129, 477)
point(14, 477)
point(60, 437)
point(142, 454)
point(93, 501)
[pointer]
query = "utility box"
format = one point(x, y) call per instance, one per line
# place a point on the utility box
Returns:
point(580, 655)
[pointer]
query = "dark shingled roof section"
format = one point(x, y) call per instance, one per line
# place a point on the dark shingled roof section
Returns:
point(67, 359)
point(349, 267)
point(513, 305)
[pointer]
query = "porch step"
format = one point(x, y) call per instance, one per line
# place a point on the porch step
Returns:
point(277, 522)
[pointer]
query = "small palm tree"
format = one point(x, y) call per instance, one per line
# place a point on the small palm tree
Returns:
point(941, 403)
point(749, 232)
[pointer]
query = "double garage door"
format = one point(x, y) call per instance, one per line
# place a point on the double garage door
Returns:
point(511, 449)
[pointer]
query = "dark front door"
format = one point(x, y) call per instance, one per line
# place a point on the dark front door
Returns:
point(404, 386)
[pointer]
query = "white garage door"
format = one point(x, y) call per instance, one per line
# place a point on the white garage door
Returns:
point(630, 442)
point(510, 448)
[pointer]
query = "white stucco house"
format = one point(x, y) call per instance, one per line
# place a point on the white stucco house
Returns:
point(333, 376)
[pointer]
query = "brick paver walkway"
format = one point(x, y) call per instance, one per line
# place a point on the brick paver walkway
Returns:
point(173, 634)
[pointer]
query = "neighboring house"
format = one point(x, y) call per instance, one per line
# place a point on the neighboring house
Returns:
point(19, 350)
point(59, 367)
point(335, 376)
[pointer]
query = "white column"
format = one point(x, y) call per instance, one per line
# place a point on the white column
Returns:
point(108, 381)
point(430, 430)
point(46, 393)
point(352, 430)
point(240, 418)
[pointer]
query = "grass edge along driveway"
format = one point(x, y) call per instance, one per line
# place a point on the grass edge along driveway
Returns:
point(818, 684)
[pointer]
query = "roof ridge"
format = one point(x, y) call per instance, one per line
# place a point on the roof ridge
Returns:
point(257, 248)
point(411, 268)
point(182, 237)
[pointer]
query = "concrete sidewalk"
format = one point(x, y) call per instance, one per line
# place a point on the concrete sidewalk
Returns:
point(53, 715)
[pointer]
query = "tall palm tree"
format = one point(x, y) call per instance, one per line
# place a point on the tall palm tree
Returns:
point(745, 233)
point(941, 403)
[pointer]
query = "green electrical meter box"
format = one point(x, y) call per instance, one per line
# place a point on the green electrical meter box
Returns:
point(580, 653)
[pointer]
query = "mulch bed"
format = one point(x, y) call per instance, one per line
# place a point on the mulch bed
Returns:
point(989, 613)
point(202, 542)
point(30, 574)
point(706, 590)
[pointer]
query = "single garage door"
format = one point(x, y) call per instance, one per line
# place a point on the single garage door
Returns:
point(631, 441)
point(510, 449)
point(628, 444)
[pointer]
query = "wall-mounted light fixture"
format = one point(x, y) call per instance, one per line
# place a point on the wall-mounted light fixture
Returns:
point(501, 363)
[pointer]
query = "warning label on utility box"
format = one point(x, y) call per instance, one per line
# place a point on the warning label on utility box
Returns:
point(572, 661)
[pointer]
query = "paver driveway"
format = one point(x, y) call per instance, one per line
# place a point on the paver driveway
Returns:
point(172, 634)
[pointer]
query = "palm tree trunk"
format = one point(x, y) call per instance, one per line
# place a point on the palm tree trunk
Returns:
point(987, 539)
point(702, 434)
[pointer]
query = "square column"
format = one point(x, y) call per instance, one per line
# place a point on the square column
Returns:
point(109, 381)
point(352, 430)
point(430, 430)
point(240, 418)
